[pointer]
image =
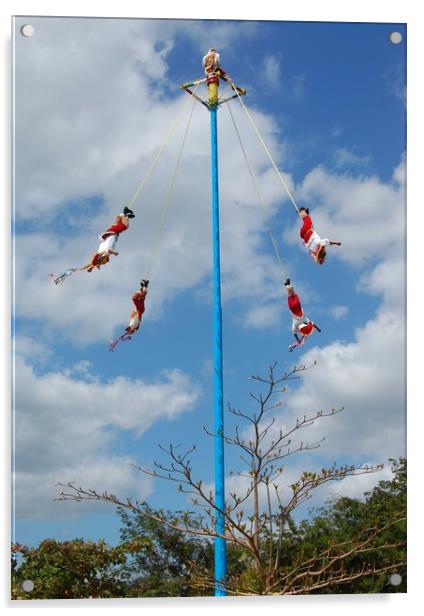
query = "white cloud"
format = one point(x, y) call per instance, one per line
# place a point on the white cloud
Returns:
point(272, 70)
point(37, 491)
point(395, 78)
point(343, 157)
point(399, 174)
point(219, 34)
point(70, 139)
point(297, 87)
point(85, 122)
point(367, 378)
point(265, 316)
point(65, 424)
point(339, 312)
point(336, 130)
point(292, 87)
point(388, 279)
point(356, 487)
point(28, 348)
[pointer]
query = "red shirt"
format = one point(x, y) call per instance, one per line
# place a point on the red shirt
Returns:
point(307, 229)
point(293, 302)
point(116, 228)
point(138, 299)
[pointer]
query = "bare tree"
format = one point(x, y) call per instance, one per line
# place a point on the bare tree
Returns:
point(259, 533)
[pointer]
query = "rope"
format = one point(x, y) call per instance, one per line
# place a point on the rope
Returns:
point(168, 197)
point(274, 243)
point(227, 85)
point(155, 160)
point(268, 152)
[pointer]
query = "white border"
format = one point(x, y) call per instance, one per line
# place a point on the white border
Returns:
point(399, 11)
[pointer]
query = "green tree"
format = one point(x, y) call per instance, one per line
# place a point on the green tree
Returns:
point(379, 520)
point(163, 562)
point(74, 569)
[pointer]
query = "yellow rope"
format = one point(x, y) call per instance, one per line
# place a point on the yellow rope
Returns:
point(169, 194)
point(274, 243)
point(268, 153)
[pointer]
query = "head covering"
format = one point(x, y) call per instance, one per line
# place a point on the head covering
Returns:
point(206, 56)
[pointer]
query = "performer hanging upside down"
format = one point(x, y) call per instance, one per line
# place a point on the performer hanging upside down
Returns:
point(138, 299)
point(302, 327)
point(106, 248)
point(213, 70)
point(109, 239)
point(313, 242)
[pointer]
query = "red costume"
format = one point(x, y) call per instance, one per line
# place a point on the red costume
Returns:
point(135, 317)
point(295, 307)
point(212, 69)
point(300, 324)
point(313, 242)
point(306, 328)
point(307, 229)
point(138, 300)
point(116, 228)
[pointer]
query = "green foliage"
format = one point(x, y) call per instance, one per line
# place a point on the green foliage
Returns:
point(70, 570)
point(164, 562)
point(350, 521)
point(161, 560)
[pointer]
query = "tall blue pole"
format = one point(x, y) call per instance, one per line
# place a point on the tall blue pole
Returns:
point(220, 544)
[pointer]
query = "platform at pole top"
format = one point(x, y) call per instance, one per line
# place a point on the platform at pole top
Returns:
point(213, 99)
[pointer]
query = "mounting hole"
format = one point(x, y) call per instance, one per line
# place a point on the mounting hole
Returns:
point(28, 585)
point(395, 37)
point(395, 579)
point(27, 30)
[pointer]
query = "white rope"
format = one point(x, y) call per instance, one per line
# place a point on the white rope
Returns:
point(268, 153)
point(155, 160)
point(274, 243)
point(167, 202)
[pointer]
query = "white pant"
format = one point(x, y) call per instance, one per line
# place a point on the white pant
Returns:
point(108, 245)
point(297, 322)
point(315, 242)
point(134, 320)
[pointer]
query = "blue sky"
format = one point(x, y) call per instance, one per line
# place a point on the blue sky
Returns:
point(329, 101)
